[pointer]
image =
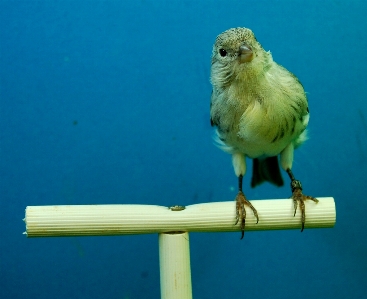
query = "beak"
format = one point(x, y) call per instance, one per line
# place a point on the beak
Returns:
point(245, 53)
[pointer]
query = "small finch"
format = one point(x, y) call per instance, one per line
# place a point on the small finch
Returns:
point(260, 111)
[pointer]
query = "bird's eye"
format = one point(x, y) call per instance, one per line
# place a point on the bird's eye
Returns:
point(222, 52)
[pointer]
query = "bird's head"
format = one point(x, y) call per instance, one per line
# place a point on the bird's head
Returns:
point(236, 52)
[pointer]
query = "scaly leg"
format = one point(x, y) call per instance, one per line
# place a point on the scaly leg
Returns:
point(241, 201)
point(299, 198)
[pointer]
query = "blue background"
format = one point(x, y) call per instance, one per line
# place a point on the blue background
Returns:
point(108, 102)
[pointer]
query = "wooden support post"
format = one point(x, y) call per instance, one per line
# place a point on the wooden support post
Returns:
point(174, 262)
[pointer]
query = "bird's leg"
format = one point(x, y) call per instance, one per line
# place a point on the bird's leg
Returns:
point(298, 197)
point(241, 201)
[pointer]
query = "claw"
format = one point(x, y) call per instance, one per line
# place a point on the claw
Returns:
point(241, 201)
point(243, 228)
point(299, 199)
point(295, 204)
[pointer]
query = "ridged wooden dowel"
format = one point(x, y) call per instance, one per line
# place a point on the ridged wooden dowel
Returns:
point(103, 220)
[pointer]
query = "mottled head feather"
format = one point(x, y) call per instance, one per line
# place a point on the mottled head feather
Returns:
point(231, 39)
point(228, 67)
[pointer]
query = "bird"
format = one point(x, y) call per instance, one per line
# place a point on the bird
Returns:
point(260, 111)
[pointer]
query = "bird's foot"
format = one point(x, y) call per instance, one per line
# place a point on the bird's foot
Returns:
point(241, 201)
point(299, 200)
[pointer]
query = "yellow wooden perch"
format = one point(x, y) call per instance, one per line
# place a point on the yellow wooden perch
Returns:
point(102, 220)
point(173, 226)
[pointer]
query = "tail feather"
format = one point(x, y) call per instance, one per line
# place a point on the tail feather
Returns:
point(266, 170)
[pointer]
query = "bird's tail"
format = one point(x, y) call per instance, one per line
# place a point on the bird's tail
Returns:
point(266, 170)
